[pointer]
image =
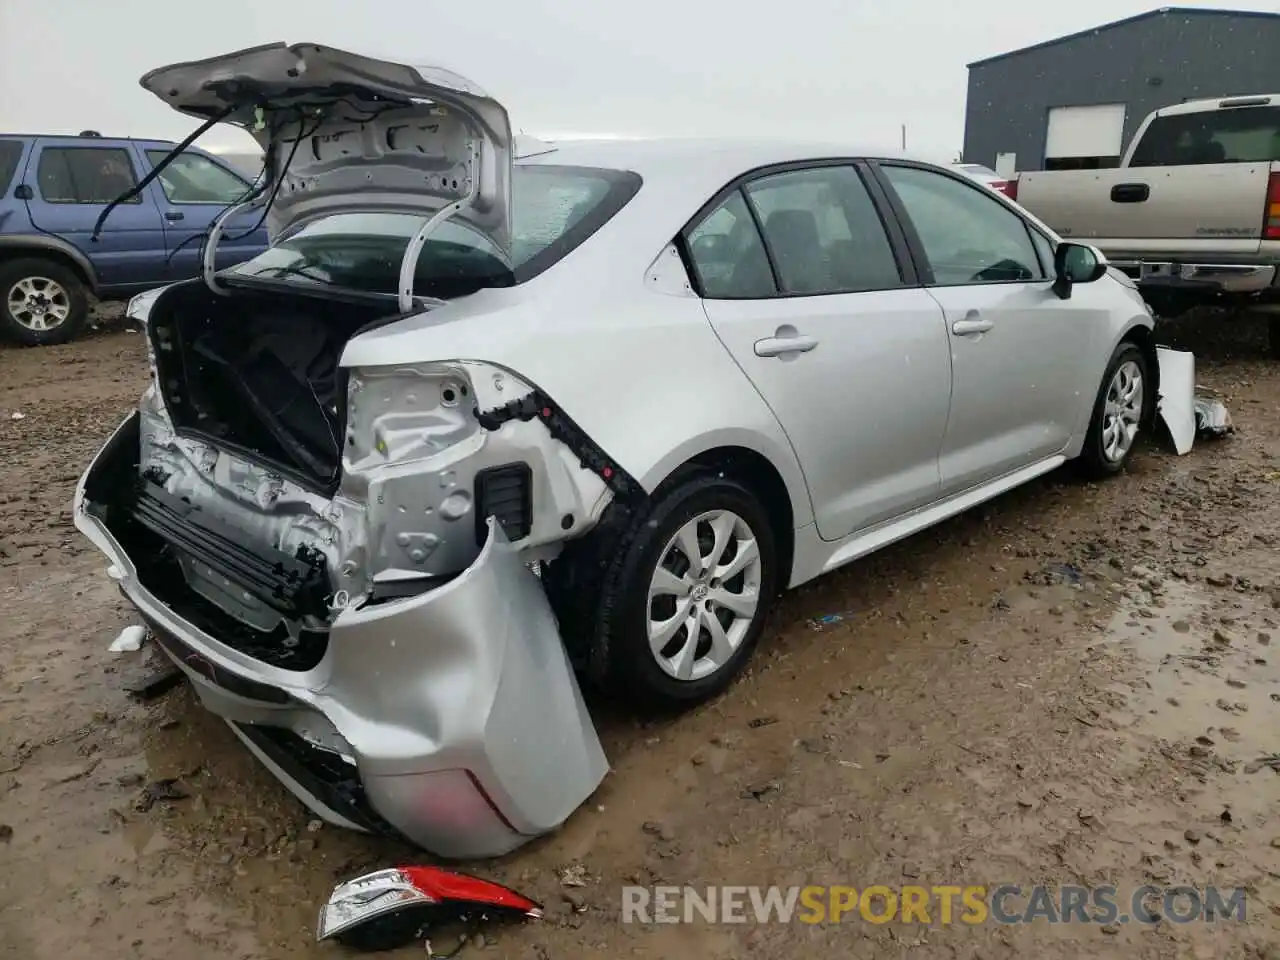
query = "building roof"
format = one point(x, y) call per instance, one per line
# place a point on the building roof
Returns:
point(1160, 12)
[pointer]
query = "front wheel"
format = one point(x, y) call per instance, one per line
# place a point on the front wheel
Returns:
point(684, 598)
point(44, 302)
point(1117, 413)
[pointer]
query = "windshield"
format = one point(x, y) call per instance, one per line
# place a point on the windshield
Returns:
point(1235, 135)
point(554, 209)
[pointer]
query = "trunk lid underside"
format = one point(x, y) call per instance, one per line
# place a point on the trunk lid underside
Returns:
point(343, 133)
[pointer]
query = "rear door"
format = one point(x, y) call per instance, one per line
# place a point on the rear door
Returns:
point(812, 293)
point(72, 180)
point(1019, 353)
point(194, 189)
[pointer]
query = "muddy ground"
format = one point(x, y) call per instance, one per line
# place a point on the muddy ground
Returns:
point(1072, 685)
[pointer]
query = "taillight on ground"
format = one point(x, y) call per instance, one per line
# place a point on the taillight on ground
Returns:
point(1271, 221)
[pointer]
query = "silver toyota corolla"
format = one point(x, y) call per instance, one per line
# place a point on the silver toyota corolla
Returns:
point(475, 420)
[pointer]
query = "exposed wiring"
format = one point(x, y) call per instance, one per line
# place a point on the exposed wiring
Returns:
point(280, 175)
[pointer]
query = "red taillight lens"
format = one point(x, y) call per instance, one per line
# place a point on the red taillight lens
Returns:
point(1271, 219)
point(1008, 187)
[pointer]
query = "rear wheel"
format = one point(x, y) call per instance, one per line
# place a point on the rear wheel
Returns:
point(43, 302)
point(1118, 413)
point(683, 595)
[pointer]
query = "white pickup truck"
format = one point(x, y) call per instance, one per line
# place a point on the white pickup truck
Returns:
point(1193, 211)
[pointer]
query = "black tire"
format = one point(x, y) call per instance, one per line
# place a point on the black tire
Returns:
point(1094, 462)
point(600, 590)
point(1273, 337)
point(14, 272)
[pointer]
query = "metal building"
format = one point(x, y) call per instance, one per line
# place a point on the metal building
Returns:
point(1074, 102)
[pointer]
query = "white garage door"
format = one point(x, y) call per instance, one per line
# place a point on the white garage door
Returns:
point(1094, 131)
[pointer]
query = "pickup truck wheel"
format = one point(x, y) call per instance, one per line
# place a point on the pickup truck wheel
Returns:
point(43, 302)
point(683, 593)
point(1118, 413)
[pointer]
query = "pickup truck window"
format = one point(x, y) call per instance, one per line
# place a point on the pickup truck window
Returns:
point(1235, 135)
point(968, 236)
point(10, 154)
point(85, 174)
point(191, 178)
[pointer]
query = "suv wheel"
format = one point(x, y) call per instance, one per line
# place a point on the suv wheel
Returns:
point(683, 596)
point(41, 302)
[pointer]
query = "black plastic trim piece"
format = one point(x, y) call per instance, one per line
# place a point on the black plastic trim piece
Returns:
point(223, 679)
point(538, 406)
point(506, 493)
point(324, 775)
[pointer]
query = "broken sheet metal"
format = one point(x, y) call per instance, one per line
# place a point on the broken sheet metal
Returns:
point(1176, 406)
point(393, 908)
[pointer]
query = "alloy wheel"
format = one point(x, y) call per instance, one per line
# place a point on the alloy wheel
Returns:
point(704, 594)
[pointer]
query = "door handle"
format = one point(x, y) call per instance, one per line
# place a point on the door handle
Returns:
point(1130, 192)
point(784, 345)
point(970, 325)
point(173, 216)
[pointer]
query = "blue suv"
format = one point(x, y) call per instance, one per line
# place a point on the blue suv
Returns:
point(55, 188)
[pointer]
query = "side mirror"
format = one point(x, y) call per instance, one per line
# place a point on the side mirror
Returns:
point(1076, 263)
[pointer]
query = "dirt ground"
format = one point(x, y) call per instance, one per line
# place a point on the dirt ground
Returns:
point(1072, 685)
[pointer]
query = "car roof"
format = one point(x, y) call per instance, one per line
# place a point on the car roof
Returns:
point(700, 158)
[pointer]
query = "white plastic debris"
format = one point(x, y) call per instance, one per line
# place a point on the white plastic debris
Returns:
point(115, 573)
point(17, 415)
point(1177, 396)
point(1212, 418)
point(129, 641)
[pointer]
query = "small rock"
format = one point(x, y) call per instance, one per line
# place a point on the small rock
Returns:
point(911, 871)
point(1198, 751)
point(1191, 836)
point(169, 789)
point(1275, 843)
point(1057, 611)
point(1174, 702)
point(1223, 637)
point(6, 833)
point(759, 722)
point(655, 829)
point(577, 903)
point(1181, 626)
point(314, 825)
point(574, 876)
point(1026, 801)
point(1218, 580)
point(1225, 816)
point(1237, 684)
point(1111, 929)
point(1229, 734)
point(1263, 637)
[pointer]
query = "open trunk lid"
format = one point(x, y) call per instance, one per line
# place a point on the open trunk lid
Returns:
point(347, 133)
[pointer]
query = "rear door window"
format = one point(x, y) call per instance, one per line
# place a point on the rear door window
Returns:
point(728, 254)
point(1234, 135)
point(85, 174)
point(823, 231)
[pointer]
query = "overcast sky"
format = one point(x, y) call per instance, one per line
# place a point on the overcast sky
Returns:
point(827, 69)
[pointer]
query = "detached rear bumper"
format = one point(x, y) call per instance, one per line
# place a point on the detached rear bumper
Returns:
point(451, 717)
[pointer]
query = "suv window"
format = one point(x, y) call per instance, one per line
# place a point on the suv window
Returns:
point(1234, 135)
point(191, 178)
point(10, 154)
point(968, 236)
point(824, 232)
point(728, 254)
point(85, 174)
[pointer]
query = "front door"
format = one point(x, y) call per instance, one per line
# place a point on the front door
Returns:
point(803, 286)
point(195, 189)
point(1017, 349)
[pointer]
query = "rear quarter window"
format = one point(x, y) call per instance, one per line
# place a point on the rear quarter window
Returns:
point(10, 155)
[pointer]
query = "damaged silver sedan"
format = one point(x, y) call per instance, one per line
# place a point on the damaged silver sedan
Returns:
point(476, 424)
